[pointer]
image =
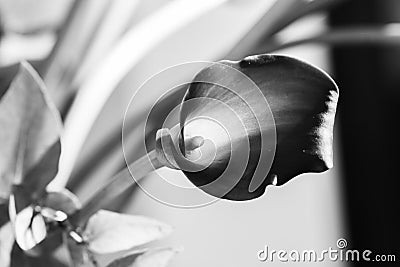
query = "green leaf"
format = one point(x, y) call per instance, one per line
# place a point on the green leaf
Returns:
point(110, 232)
point(30, 127)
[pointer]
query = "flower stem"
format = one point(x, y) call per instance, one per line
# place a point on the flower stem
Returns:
point(119, 183)
point(163, 155)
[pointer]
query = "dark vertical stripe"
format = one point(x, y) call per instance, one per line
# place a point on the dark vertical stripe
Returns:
point(369, 110)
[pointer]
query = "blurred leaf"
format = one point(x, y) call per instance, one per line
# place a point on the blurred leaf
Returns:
point(149, 258)
point(106, 259)
point(32, 188)
point(1, 28)
point(18, 258)
point(7, 74)
point(80, 29)
point(37, 178)
point(6, 244)
point(115, 66)
point(114, 24)
point(63, 201)
point(154, 258)
point(3, 212)
point(280, 15)
point(126, 260)
point(30, 16)
point(15, 48)
point(110, 232)
point(32, 126)
point(21, 259)
point(387, 34)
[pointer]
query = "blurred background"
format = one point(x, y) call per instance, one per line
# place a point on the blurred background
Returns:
point(94, 54)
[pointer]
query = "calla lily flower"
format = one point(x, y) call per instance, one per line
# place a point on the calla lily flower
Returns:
point(243, 125)
point(248, 124)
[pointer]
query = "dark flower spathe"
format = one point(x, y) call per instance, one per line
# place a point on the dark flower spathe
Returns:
point(294, 130)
